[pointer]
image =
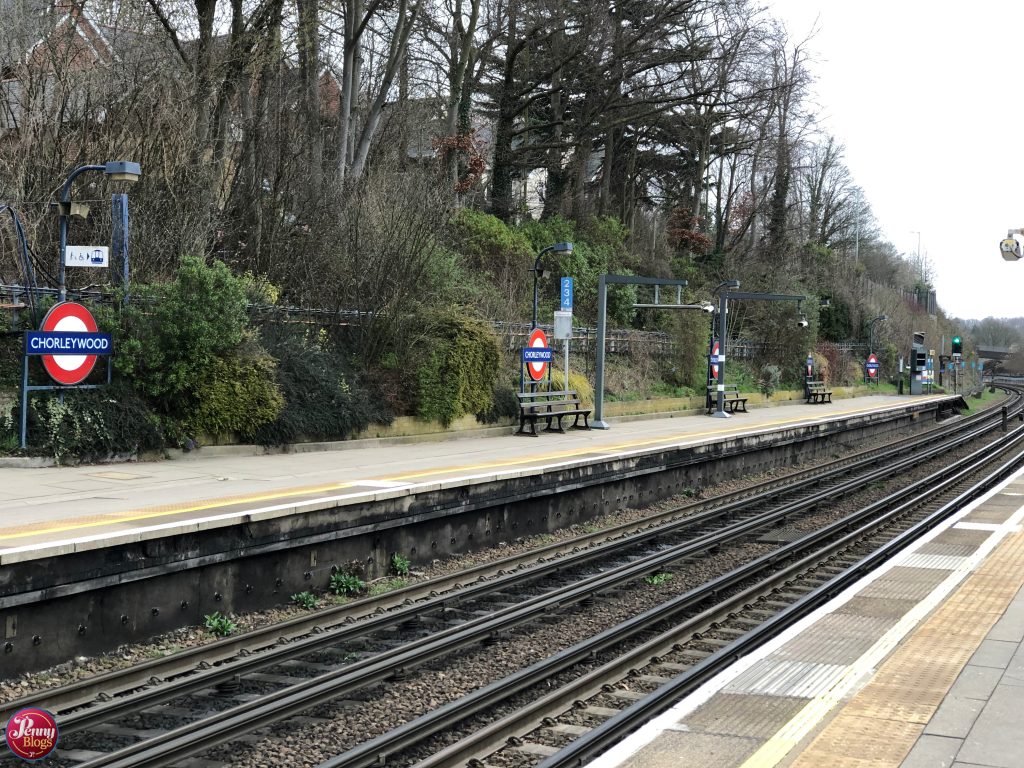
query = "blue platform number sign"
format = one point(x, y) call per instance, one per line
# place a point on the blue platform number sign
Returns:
point(566, 294)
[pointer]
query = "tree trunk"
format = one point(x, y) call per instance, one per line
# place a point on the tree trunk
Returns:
point(308, 45)
point(460, 47)
point(554, 190)
point(203, 68)
point(396, 52)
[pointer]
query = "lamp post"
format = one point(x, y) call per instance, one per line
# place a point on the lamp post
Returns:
point(919, 262)
point(723, 307)
point(871, 332)
point(26, 262)
point(538, 272)
point(117, 171)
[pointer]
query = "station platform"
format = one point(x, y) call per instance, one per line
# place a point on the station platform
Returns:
point(46, 512)
point(920, 665)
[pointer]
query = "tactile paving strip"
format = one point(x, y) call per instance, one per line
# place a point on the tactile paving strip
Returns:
point(782, 677)
point(940, 562)
point(994, 514)
point(838, 638)
point(876, 607)
point(739, 715)
point(902, 583)
point(949, 548)
point(883, 721)
point(956, 537)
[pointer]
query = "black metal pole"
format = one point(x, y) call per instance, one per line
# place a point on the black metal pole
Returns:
point(720, 384)
point(24, 395)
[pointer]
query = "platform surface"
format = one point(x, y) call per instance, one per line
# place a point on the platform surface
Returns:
point(57, 507)
point(920, 664)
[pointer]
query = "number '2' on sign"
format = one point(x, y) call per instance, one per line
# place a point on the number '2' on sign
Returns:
point(566, 294)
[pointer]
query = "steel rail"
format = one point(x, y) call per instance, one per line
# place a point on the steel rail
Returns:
point(591, 744)
point(485, 699)
point(197, 737)
point(125, 691)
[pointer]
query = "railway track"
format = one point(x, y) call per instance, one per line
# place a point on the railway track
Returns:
point(434, 620)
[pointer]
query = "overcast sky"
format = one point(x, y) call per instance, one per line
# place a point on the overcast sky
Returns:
point(928, 102)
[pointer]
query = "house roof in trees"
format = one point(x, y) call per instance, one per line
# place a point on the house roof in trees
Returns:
point(64, 31)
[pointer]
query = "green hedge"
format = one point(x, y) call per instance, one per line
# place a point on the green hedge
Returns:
point(459, 368)
point(323, 398)
point(93, 424)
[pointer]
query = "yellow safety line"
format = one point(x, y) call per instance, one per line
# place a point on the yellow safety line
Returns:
point(150, 513)
point(620, 446)
point(814, 712)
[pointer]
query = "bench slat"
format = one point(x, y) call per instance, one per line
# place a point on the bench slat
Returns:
point(553, 406)
point(816, 392)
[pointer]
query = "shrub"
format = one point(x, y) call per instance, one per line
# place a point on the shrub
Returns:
point(578, 382)
point(769, 380)
point(305, 600)
point(399, 565)
point(323, 399)
point(173, 333)
point(236, 394)
point(504, 405)
point(346, 584)
point(220, 625)
point(460, 367)
point(94, 424)
point(487, 241)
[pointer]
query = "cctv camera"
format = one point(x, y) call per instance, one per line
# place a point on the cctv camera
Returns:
point(801, 323)
point(708, 309)
point(1010, 249)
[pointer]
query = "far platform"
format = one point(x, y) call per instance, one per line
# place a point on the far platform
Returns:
point(50, 511)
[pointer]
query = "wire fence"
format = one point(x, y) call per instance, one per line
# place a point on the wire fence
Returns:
point(512, 336)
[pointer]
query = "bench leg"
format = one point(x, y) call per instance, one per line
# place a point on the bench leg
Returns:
point(557, 420)
point(523, 420)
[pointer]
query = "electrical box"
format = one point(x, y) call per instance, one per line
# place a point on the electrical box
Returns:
point(563, 325)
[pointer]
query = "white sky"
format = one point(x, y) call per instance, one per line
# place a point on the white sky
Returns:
point(928, 99)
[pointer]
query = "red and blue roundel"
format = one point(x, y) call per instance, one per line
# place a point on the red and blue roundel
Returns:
point(69, 317)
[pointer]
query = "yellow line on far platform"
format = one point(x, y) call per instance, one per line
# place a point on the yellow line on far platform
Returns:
point(148, 514)
point(130, 516)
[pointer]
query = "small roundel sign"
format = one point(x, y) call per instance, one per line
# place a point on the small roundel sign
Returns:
point(69, 317)
point(32, 733)
point(538, 339)
point(872, 366)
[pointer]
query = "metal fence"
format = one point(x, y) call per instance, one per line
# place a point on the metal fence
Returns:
point(513, 336)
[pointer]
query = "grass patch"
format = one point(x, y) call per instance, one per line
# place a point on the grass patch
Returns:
point(388, 585)
point(218, 624)
point(657, 579)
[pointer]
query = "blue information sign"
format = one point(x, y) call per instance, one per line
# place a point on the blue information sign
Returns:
point(536, 354)
point(66, 343)
point(566, 294)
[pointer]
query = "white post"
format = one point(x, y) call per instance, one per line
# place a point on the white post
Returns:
point(566, 365)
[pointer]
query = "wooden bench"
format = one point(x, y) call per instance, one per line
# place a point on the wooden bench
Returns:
point(816, 392)
point(732, 401)
point(552, 406)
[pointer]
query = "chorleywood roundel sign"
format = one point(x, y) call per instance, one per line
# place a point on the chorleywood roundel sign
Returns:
point(537, 354)
point(68, 342)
